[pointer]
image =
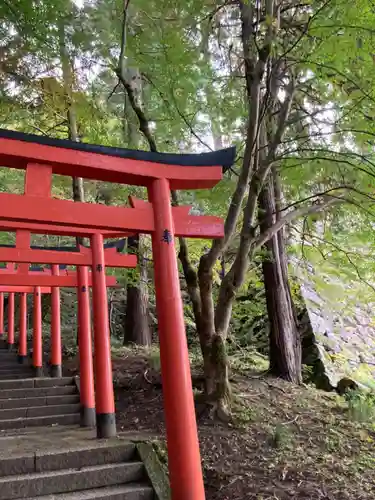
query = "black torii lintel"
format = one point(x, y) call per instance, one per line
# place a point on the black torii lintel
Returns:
point(223, 157)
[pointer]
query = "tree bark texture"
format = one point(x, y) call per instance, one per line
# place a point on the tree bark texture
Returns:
point(137, 328)
point(68, 80)
point(285, 343)
point(266, 71)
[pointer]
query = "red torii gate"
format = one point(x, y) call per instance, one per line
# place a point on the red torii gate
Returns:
point(44, 281)
point(23, 289)
point(159, 173)
point(23, 254)
point(23, 274)
point(11, 290)
point(81, 280)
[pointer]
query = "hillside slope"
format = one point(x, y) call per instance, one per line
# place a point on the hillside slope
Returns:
point(285, 442)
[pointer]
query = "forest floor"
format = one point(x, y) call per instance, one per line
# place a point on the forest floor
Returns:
point(284, 442)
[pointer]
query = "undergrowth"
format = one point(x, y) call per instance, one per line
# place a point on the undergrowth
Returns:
point(361, 406)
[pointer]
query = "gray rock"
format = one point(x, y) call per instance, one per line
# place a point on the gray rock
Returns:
point(338, 336)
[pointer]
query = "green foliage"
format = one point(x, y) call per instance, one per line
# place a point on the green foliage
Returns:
point(187, 65)
point(154, 359)
point(361, 406)
point(281, 437)
point(245, 360)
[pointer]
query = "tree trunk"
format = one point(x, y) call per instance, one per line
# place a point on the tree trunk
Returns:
point(213, 346)
point(137, 327)
point(67, 71)
point(66, 63)
point(285, 343)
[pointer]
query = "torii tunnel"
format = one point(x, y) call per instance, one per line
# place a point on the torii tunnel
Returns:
point(12, 279)
point(159, 173)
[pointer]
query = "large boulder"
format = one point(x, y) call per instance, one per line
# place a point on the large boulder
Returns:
point(338, 331)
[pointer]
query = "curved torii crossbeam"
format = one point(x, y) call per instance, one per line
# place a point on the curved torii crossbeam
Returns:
point(24, 252)
point(159, 173)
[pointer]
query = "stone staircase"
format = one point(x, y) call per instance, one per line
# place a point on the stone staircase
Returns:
point(38, 402)
point(43, 452)
point(10, 368)
point(27, 401)
point(111, 471)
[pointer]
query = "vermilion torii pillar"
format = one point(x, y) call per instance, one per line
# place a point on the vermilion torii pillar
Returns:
point(22, 253)
point(23, 291)
point(10, 320)
point(1, 314)
point(88, 415)
point(82, 280)
point(56, 370)
point(37, 333)
point(24, 277)
point(159, 173)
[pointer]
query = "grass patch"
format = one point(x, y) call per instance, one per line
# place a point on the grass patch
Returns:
point(361, 406)
point(281, 438)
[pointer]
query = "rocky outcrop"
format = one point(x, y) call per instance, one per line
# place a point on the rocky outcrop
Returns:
point(338, 331)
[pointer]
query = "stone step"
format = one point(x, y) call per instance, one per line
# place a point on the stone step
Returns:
point(39, 411)
point(17, 384)
point(50, 460)
point(69, 419)
point(13, 364)
point(130, 492)
point(17, 376)
point(6, 404)
point(35, 431)
point(36, 383)
point(9, 357)
point(19, 369)
point(26, 392)
point(70, 480)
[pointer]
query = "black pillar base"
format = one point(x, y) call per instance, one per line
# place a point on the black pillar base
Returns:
point(105, 425)
point(23, 360)
point(56, 371)
point(88, 417)
point(10, 347)
point(38, 371)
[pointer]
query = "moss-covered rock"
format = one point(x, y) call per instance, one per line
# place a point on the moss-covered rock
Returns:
point(156, 470)
point(338, 331)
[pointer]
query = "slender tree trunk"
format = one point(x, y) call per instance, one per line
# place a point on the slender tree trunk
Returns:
point(66, 63)
point(285, 345)
point(137, 327)
point(213, 345)
point(67, 70)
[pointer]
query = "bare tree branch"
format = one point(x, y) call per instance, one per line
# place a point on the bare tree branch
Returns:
point(349, 256)
point(144, 126)
point(255, 66)
point(322, 205)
